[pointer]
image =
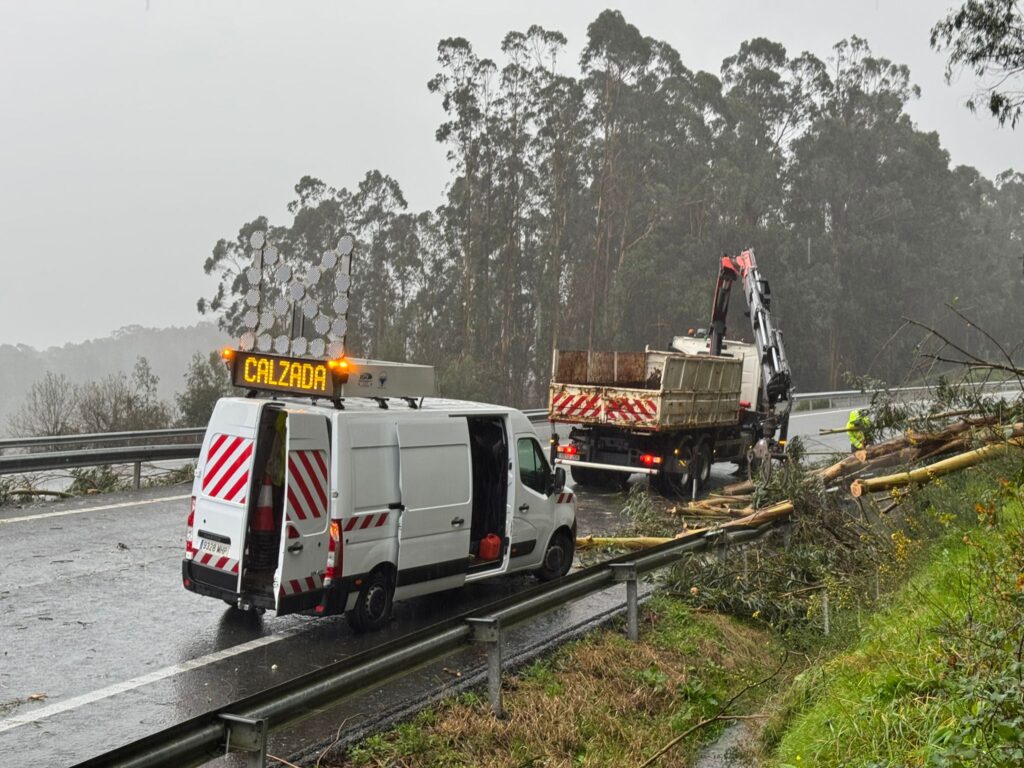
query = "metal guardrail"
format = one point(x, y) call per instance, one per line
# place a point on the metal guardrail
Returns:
point(849, 396)
point(129, 454)
point(102, 437)
point(207, 736)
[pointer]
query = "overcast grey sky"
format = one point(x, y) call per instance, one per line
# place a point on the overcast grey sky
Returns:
point(134, 134)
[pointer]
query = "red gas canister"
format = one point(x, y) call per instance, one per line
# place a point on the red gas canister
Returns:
point(490, 547)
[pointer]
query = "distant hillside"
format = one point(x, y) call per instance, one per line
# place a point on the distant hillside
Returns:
point(167, 349)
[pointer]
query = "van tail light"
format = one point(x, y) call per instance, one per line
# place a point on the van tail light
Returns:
point(333, 548)
point(190, 550)
point(650, 460)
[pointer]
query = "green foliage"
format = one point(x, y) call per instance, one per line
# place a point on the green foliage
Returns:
point(645, 515)
point(986, 37)
point(96, 480)
point(589, 211)
point(206, 381)
point(935, 678)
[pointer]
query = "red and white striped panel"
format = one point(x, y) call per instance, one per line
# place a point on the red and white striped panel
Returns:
point(362, 522)
point(573, 405)
point(217, 561)
point(630, 410)
point(226, 474)
point(307, 485)
point(564, 498)
point(307, 584)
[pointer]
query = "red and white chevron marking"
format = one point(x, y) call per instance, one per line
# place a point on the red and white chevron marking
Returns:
point(295, 586)
point(217, 561)
point(564, 498)
point(226, 474)
point(630, 410)
point(307, 485)
point(573, 405)
point(362, 522)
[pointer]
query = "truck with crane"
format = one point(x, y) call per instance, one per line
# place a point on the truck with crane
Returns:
point(672, 414)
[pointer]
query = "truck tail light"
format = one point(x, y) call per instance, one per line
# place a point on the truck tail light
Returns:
point(650, 460)
point(568, 450)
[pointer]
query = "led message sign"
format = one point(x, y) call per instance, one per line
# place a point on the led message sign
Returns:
point(255, 370)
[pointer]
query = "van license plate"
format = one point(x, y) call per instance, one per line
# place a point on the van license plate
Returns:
point(213, 546)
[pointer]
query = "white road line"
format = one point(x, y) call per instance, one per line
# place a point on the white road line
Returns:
point(62, 513)
point(138, 682)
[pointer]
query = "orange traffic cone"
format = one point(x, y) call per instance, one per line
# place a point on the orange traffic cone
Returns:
point(263, 539)
point(263, 516)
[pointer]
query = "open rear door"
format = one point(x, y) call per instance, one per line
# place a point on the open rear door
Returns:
point(299, 580)
point(436, 483)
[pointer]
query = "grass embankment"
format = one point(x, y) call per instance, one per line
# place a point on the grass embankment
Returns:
point(600, 701)
point(936, 676)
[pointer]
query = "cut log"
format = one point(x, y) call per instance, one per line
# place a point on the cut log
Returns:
point(622, 542)
point(848, 465)
point(925, 474)
point(739, 489)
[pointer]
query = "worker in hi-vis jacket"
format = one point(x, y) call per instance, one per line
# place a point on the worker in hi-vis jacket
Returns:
point(855, 426)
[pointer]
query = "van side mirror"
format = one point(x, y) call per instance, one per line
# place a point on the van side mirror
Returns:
point(557, 480)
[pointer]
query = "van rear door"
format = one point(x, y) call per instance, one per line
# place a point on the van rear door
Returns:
point(222, 489)
point(435, 480)
point(299, 581)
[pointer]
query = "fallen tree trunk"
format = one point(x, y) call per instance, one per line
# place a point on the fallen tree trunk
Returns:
point(769, 514)
point(925, 474)
point(623, 542)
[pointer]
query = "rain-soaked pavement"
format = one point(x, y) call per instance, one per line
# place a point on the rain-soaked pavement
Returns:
point(101, 645)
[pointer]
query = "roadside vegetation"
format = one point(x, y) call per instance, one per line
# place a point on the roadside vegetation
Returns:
point(936, 677)
point(600, 701)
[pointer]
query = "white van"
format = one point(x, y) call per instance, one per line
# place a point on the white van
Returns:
point(299, 507)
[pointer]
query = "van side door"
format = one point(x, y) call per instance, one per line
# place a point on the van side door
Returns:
point(435, 477)
point(302, 559)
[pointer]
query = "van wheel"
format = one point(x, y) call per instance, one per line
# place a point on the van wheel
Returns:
point(557, 557)
point(373, 606)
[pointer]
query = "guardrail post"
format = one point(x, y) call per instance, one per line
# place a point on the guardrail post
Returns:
point(137, 475)
point(627, 572)
point(245, 735)
point(487, 631)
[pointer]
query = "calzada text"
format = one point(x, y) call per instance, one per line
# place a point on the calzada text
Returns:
point(286, 374)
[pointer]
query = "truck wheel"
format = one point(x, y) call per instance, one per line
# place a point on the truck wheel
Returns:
point(610, 479)
point(557, 557)
point(582, 475)
point(679, 466)
point(704, 458)
point(373, 606)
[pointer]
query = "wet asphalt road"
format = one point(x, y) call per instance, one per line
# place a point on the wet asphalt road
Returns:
point(101, 645)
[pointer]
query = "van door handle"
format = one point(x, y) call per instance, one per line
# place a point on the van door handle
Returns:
point(524, 507)
point(295, 548)
point(457, 521)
